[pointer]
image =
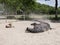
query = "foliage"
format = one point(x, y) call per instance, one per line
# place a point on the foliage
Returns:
point(15, 5)
point(28, 6)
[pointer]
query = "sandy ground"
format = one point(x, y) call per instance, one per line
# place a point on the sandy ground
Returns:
point(18, 36)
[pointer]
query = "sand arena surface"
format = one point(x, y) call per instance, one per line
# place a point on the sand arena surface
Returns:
point(18, 36)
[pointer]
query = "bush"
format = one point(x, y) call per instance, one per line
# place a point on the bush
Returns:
point(11, 17)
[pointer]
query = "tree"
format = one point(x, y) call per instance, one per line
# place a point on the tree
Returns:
point(15, 5)
point(56, 5)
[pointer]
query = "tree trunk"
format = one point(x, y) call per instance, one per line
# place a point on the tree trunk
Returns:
point(56, 5)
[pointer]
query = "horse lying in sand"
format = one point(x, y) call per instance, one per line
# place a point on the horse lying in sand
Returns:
point(43, 26)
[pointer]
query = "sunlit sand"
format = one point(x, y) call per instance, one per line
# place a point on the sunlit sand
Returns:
point(17, 35)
